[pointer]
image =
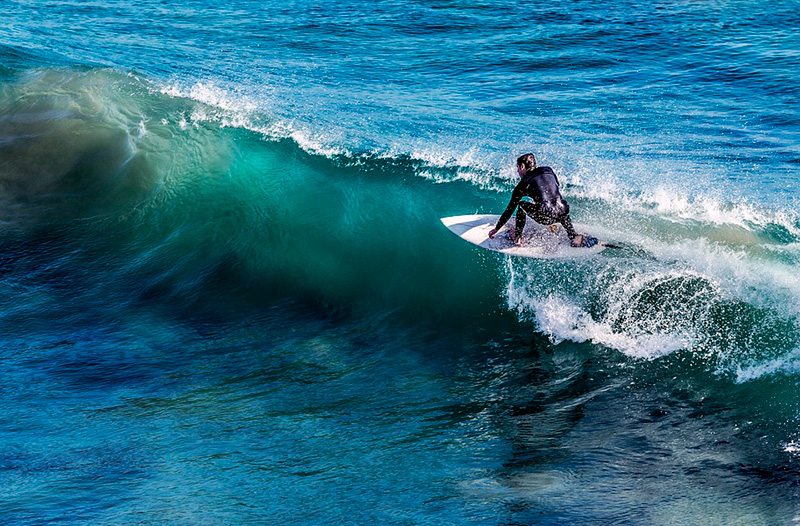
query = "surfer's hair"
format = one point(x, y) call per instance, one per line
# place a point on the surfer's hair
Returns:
point(527, 160)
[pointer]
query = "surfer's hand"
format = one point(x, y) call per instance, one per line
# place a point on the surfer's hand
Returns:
point(492, 233)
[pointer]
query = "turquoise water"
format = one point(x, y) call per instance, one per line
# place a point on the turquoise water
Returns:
point(226, 296)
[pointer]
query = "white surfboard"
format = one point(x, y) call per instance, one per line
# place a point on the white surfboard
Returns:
point(538, 241)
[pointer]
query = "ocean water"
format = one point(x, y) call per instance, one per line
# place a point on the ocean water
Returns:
point(226, 296)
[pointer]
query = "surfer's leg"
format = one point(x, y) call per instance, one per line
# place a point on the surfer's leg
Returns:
point(521, 219)
point(538, 215)
point(526, 208)
point(566, 222)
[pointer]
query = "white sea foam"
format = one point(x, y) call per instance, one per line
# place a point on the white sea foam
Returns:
point(758, 281)
point(679, 206)
point(482, 179)
point(234, 110)
point(562, 317)
point(651, 308)
point(788, 364)
point(231, 109)
point(211, 94)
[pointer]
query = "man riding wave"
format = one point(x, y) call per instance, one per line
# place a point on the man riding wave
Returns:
point(547, 208)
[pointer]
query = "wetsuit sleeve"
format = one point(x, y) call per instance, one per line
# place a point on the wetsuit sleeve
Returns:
point(516, 197)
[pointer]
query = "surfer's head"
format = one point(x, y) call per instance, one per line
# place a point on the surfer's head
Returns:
point(525, 163)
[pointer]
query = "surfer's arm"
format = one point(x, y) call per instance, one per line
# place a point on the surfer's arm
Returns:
point(516, 197)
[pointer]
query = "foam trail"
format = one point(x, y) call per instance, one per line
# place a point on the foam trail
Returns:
point(694, 296)
point(623, 324)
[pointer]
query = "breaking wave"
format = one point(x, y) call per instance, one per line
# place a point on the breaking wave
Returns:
point(162, 191)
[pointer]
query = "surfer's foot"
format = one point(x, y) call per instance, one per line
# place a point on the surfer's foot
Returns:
point(577, 241)
point(516, 240)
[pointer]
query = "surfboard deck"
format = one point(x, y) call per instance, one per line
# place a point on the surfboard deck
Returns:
point(538, 241)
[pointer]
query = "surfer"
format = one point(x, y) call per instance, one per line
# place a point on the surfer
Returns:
point(547, 208)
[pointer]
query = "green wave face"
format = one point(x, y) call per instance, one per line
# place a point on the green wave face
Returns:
point(163, 187)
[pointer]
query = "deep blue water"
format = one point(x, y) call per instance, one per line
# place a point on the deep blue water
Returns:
point(226, 296)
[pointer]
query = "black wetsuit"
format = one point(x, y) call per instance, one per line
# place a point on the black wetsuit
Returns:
point(547, 208)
